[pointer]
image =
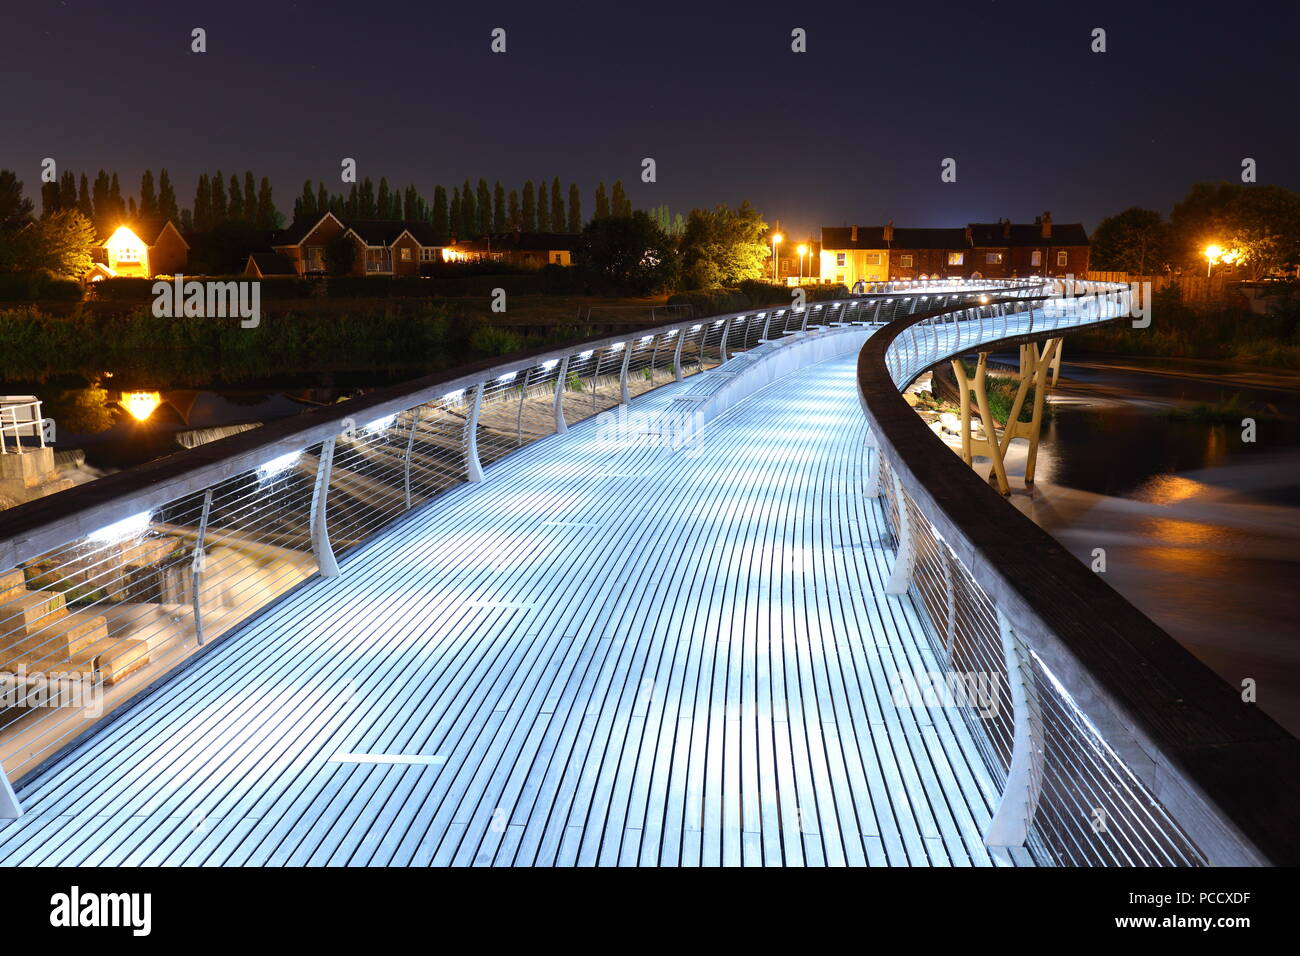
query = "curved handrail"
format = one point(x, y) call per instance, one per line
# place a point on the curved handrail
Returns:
point(1225, 771)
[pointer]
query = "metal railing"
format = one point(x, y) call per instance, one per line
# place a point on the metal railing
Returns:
point(107, 587)
point(21, 419)
point(1107, 738)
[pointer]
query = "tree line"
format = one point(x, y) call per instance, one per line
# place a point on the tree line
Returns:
point(1256, 229)
point(469, 210)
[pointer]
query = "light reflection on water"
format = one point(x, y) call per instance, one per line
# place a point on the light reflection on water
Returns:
point(1201, 531)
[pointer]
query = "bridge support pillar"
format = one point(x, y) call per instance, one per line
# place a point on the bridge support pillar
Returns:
point(1034, 367)
point(320, 536)
point(986, 446)
point(1015, 813)
point(561, 379)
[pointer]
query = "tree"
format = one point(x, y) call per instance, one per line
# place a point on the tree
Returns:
point(251, 197)
point(148, 197)
point(528, 209)
point(219, 210)
point(468, 218)
point(543, 207)
point(557, 206)
point(441, 224)
point(15, 208)
point(266, 218)
point(575, 209)
point(202, 204)
point(498, 208)
point(115, 196)
point(454, 214)
point(620, 205)
point(513, 216)
point(602, 203)
point(167, 207)
point(305, 208)
point(1257, 226)
point(340, 255)
point(84, 205)
point(628, 254)
point(104, 213)
point(483, 208)
point(1134, 241)
point(366, 199)
point(68, 190)
point(324, 201)
point(62, 243)
point(49, 198)
point(385, 199)
point(722, 246)
point(235, 211)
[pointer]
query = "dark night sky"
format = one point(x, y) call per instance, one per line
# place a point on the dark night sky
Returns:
point(852, 131)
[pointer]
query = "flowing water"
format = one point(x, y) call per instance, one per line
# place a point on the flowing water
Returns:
point(1201, 530)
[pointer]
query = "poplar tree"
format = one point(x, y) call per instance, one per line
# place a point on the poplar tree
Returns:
point(385, 198)
point(441, 224)
point(251, 197)
point(528, 209)
point(235, 211)
point(575, 209)
point(543, 207)
point(84, 205)
point(512, 211)
point(217, 204)
point(602, 203)
point(167, 207)
point(557, 206)
point(306, 203)
point(265, 217)
point(498, 208)
point(621, 206)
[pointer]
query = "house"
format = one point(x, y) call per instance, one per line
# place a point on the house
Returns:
point(142, 249)
point(978, 250)
point(528, 250)
point(384, 247)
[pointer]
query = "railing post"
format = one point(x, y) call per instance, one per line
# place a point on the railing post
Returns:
point(410, 448)
point(196, 566)
point(873, 469)
point(722, 345)
point(320, 536)
point(677, 355)
point(561, 426)
point(10, 809)
point(900, 578)
point(473, 467)
point(767, 323)
point(624, 397)
point(1015, 814)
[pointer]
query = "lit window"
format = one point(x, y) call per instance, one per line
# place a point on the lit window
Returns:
point(956, 258)
point(872, 258)
point(1062, 258)
point(1036, 259)
point(839, 258)
point(993, 258)
point(406, 254)
point(905, 261)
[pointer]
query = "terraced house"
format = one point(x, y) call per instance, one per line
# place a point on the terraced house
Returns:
point(384, 247)
point(1000, 250)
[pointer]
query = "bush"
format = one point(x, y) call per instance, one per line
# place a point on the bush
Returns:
point(123, 290)
point(711, 301)
point(19, 287)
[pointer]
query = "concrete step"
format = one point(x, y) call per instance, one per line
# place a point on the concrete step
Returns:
point(112, 659)
point(12, 584)
point(60, 639)
point(29, 612)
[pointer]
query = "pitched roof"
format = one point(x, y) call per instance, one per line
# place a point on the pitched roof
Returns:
point(1028, 234)
point(533, 241)
point(300, 229)
point(272, 264)
point(146, 230)
point(873, 237)
point(982, 234)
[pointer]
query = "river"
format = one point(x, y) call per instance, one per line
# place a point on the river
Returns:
point(1201, 530)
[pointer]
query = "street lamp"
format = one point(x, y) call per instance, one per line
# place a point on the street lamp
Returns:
point(1212, 253)
point(776, 237)
point(803, 251)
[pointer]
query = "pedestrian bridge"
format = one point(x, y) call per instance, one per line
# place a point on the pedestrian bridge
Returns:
point(709, 594)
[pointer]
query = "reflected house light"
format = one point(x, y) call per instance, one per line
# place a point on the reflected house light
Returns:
point(381, 424)
point(507, 377)
point(547, 366)
point(131, 527)
point(617, 346)
point(140, 405)
point(585, 355)
point(277, 465)
point(646, 338)
point(453, 396)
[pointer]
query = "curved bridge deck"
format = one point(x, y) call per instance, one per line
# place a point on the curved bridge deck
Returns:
point(604, 654)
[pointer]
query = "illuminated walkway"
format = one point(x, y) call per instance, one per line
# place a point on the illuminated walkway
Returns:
point(601, 655)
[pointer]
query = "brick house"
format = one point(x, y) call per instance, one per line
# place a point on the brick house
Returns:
point(528, 250)
point(385, 247)
point(978, 250)
point(141, 249)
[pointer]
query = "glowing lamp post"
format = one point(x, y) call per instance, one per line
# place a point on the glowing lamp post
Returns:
point(1212, 254)
point(776, 238)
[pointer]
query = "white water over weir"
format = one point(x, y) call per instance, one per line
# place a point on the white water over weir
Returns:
point(626, 602)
